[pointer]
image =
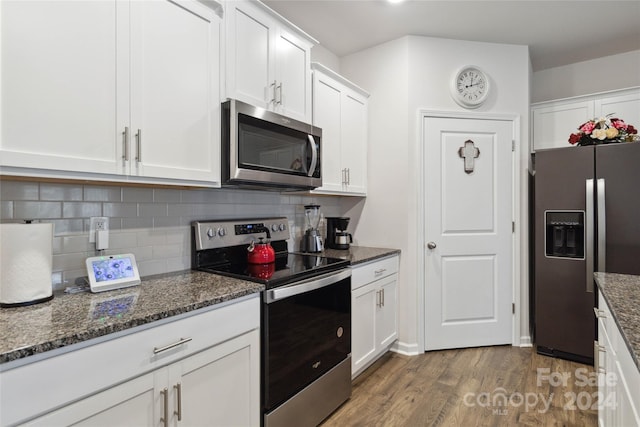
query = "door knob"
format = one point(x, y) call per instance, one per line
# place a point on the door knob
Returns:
point(431, 245)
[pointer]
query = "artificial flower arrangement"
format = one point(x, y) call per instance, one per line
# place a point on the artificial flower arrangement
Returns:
point(604, 130)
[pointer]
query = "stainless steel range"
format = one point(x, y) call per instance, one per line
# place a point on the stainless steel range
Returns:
point(306, 317)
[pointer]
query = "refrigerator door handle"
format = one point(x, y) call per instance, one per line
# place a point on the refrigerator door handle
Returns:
point(602, 227)
point(589, 227)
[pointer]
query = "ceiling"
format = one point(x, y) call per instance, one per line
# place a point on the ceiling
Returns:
point(557, 32)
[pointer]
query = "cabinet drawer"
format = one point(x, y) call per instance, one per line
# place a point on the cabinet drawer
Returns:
point(374, 270)
point(28, 389)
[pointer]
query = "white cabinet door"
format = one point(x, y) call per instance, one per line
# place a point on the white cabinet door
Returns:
point(363, 326)
point(293, 76)
point(340, 110)
point(354, 142)
point(175, 96)
point(327, 115)
point(268, 61)
point(386, 316)
point(133, 403)
point(250, 55)
point(553, 124)
point(625, 107)
point(61, 91)
point(221, 386)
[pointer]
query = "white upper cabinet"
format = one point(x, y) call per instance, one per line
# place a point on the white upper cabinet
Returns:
point(268, 60)
point(175, 94)
point(552, 122)
point(340, 109)
point(123, 91)
point(60, 90)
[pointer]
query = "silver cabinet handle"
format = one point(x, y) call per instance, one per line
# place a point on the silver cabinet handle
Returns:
point(139, 146)
point(125, 144)
point(431, 245)
point(178, 388)
point(279, 89)
point(589, 222)
point(344, 176)
point(602, 226)
point(157, 350)
point(314, 155)
point(382, 291)
point(597, 349)
point(378, 299)
point(348, 176)
point(165, 411)
point(273, 98)
point(600, 314)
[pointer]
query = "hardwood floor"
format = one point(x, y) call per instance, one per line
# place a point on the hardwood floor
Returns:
point(487, 386)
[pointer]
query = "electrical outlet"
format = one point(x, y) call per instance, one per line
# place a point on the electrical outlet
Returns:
point(97, 223)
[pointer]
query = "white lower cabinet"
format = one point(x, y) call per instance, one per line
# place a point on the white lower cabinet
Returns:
point(618, 374)
point(374, 322)
point(210, 378)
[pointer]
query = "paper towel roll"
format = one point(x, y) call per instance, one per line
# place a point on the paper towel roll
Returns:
point(25, 263)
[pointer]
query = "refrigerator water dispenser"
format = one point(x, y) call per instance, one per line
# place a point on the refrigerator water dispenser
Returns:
point(564, 234)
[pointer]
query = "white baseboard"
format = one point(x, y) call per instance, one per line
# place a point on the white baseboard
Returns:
point(405, 349)
point(525, 341)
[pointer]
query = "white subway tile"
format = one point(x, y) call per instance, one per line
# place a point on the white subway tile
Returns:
point(137, 223)
point(67, 226)
point(17, 190)
point(77, 243)
point(122, 210)
point(60, 192)
point(164, 222)
point(36, 210)
point(81, 209)
point(74, 261)
point(167, 251)
point(151, 237)
point(152, 209)
point(149, 268)
point(94, 193)
point(165, 195)
point(123, 239)
point(137, 195)
point(6, 209)
point(178, 264)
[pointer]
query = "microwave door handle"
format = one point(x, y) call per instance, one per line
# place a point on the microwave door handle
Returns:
point(314, 155)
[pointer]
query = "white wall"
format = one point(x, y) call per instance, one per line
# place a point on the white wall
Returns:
point(583, 78)
point(404, 76)
point(324, 56)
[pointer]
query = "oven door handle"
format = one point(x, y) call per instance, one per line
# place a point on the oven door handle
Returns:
point(314, 283)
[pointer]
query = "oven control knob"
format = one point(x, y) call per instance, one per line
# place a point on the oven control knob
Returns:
point(210, 233)
point(221, 232)
point(274, 227)
point(282, 227)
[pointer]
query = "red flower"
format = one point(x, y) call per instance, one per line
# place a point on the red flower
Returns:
point(618, 124)
point(574, 138)
point(587, 127)
point(631, 129)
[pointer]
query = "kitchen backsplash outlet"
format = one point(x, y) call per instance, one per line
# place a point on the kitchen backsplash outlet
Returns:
point(151, 223)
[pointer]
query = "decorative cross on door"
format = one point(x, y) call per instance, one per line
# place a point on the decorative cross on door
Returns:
point(469, 152)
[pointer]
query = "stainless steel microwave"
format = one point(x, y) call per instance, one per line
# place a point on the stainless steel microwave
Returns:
point(263, 149)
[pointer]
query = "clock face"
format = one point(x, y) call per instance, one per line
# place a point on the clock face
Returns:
point(470, 87)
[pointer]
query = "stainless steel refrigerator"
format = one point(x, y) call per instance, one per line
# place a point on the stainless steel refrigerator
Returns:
point(587, 218)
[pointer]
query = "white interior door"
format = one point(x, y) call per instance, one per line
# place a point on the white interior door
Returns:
point(468, 232)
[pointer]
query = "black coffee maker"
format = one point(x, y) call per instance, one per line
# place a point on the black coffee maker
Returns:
point(337, 236)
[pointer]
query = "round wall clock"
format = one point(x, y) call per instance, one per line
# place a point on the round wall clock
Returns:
point(470, 87)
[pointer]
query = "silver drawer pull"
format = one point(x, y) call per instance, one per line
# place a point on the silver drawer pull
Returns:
point(157, 350)
point(379, 272)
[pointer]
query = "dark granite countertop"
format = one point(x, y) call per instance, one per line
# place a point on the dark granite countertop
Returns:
point(622, 294)
point(74, 318)
point(360, 254)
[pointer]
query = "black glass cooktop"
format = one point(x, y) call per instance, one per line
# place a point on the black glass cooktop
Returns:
point(288, 268)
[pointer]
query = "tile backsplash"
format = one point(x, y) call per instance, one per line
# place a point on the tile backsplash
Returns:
point(151, 223)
